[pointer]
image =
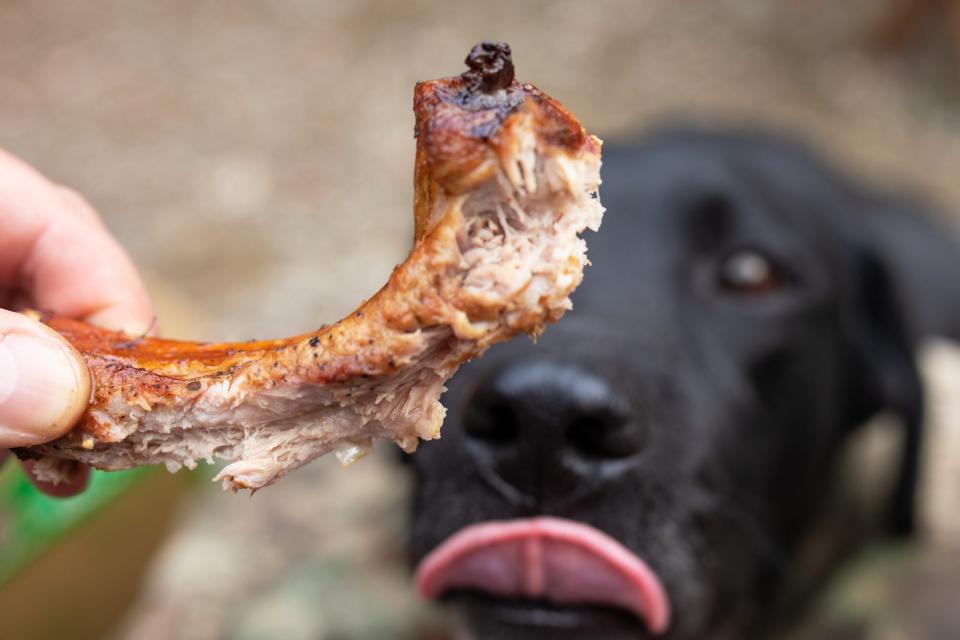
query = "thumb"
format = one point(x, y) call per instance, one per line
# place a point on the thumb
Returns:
point(44, 384)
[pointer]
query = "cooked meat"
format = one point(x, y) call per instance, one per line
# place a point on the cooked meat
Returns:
point(505, 179)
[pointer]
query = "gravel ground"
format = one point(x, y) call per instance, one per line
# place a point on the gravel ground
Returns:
point(256, 159)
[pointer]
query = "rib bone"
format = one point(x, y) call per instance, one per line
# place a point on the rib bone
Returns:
point(505, 180)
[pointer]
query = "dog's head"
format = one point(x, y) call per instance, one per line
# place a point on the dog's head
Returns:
point(649, 466)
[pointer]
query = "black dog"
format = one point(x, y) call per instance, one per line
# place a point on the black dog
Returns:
point(651, 466)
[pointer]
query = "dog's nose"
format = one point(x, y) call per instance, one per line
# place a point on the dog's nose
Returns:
point(547, 428)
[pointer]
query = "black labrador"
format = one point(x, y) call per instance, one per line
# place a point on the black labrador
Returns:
point(652, 465)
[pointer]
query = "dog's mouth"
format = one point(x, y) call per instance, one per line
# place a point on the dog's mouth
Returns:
point(545, 562)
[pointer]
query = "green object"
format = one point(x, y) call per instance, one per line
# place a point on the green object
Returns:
point(31, 522)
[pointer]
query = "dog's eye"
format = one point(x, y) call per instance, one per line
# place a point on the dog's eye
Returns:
point(749, 271)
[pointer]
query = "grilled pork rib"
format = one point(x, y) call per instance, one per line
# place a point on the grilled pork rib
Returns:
point(505, 180)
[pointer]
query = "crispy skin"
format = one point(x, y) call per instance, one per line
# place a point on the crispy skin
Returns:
point(505, 178)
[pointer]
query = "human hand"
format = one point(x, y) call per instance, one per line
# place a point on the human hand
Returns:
point(56, 255)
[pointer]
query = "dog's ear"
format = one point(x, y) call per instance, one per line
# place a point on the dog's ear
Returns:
point(888, 378)
point(907, 288)
point(923, 257)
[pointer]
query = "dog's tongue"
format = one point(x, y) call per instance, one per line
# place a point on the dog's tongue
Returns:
point(544, 558)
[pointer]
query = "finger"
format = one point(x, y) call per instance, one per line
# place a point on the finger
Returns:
point(77, 204)
point(44, 384)
point(77, 482)
point(54, 247)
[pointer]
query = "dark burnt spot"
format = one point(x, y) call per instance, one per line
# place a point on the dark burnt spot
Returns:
point(25, 453)
point(314, 341)
point(491, 67)
point(194, 386)
point(489, 87)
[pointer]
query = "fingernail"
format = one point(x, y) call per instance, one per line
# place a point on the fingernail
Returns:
point(121, 320)
point(44, 387)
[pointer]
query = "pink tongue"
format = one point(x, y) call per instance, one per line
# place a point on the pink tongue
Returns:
point(551, 559)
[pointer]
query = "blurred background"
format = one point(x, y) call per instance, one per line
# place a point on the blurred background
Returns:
point(256, 160)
